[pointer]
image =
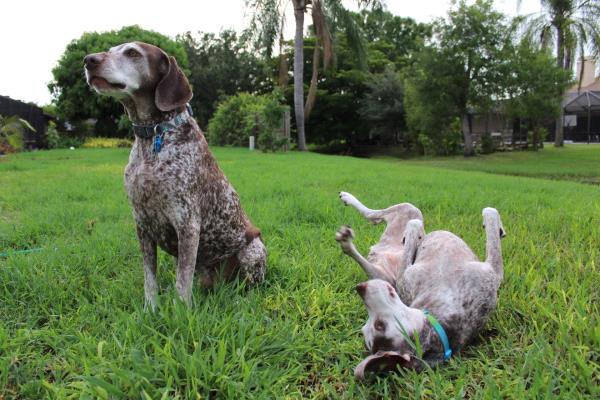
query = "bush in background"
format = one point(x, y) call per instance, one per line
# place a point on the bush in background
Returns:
point(52, 136)
point(269, 141)
point(105, 143)
point(487, 144)
point(244, 115)
point(57, 140)
point(11, 133)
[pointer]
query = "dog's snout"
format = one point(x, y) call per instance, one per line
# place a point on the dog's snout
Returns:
point(361, 288)
point(91, 61)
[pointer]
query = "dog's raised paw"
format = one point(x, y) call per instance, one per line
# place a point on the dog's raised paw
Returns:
point(344, 234)
point(347, 198)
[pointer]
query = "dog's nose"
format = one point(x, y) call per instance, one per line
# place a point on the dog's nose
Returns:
point(92, 60)
point(361, 288)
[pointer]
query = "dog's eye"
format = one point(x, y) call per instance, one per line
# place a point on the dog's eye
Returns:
point(132, 53)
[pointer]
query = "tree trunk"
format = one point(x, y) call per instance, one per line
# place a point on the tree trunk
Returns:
point(469, 151)
point(312, 90)
point(560, 61)
point(282, 76)
point(299, 8)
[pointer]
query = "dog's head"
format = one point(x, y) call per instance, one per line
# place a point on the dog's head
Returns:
point(390, 330)
point(140, 73)
point(491, 218)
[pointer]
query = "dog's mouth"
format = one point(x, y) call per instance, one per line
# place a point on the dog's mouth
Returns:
point(102, 84)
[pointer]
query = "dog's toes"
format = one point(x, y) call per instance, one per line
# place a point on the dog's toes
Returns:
point(345, 233)
point(346, 198)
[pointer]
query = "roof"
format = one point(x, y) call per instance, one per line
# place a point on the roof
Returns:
point(584, 101)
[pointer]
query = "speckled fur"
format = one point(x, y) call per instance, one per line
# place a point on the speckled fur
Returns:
point(181, 199)
point(437, 272)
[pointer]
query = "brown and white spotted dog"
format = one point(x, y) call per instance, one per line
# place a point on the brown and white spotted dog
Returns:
point(420, 282)
point(181, 199)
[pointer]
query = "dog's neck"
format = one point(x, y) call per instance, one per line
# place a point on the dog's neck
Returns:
point(431, 344)
point(144, 112)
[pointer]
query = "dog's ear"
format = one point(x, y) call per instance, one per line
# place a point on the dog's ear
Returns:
point(252, 233)
point(174, 90)
point(382, 361)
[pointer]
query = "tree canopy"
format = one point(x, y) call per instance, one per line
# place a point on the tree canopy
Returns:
point(222, 65)
point(415, 84)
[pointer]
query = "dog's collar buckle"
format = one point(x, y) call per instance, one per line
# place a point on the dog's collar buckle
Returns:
point(441, 333)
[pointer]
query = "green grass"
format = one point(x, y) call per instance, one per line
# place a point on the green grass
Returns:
point(573, 162)
point(72, 323)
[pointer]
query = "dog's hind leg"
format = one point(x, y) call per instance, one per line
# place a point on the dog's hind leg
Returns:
point(373, 216)
point(344, 236)
point(377, 216)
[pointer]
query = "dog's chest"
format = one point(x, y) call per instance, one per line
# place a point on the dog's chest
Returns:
point(180, 187)
point(160, 184)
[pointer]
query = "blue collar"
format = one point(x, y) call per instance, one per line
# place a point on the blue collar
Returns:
point(153, 130)
point(441, 333)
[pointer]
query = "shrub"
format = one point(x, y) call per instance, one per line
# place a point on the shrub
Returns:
point(105, 143)
point(244, 115)
point(427, 146)
point(538, 138)
point(487, 144)
point(56, 140)
point(11, 133)
point(269, 141)
point(444, 141)
point(52, 136)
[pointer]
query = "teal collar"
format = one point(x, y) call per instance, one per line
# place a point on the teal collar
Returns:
point(441, 333)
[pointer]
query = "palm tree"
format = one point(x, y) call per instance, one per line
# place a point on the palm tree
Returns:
point(572, 27)
point(267, 23)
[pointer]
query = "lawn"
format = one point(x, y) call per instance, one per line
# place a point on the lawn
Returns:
point(72, 323)
point(573, 162)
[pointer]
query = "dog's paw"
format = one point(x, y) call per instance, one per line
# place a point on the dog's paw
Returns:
point(347, 198)
point(344, 234)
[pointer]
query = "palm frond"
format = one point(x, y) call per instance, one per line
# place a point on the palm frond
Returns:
point(265, 24)
point(342, 19)
point(27, 124)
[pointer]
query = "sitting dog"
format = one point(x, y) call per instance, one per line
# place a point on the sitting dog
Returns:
point(449, 291)
point(181, 200)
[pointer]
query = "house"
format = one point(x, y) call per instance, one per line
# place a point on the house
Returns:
point(582, 105)
point(504, 131)
point(32, 114)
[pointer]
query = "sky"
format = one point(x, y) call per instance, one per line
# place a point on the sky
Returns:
point(34, 34)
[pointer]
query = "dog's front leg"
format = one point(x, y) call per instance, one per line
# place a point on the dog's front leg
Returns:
point(345, 236)
point(148, 247)
point(186, 262)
